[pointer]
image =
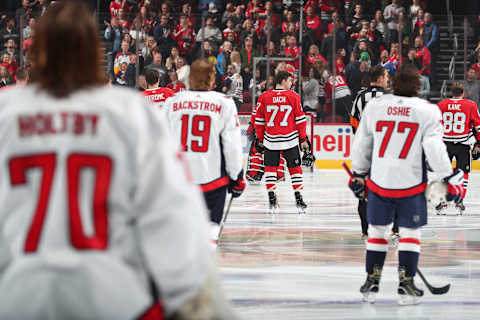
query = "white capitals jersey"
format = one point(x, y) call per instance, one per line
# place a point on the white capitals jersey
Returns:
point(394, 136)
point(205, 126)
point(78, 176)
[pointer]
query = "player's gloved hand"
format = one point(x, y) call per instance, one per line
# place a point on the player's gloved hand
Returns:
point(308, 159)
point(305, 144)
point(357, 185)
point(476, 151)
point(259, 146)
point(454, 186)
point(236, 187)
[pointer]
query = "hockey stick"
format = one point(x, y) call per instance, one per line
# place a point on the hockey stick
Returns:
point(345, 166)
point(350, 173)
point(432, 289)
point(224, 218)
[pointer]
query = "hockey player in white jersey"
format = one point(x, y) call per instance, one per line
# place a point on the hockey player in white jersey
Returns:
point(205, 126)
point(96, 209)
point(395, 135)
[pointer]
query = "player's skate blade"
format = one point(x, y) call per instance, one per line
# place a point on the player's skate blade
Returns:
point(441, 209)
point(370, 288)
point(301, 205)
point(273, 202)
point(408, 293)
point(461, 208)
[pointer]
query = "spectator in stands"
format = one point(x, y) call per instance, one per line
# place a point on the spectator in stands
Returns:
point(292, 51)
point(113, 36)
point(314, 26)
point(381, 25)
point(210, 33)
point(424, 56)
point(10, 63)
point(476, 28)
point(11, 49)
point(123, 19)
point(171, 61)
point(139, 33)
point(416, 5)
point(237, 18)
point(40, 8)
point(23, 14)
point(228, 14)
point(157, 64)
point(404, 26)
point(418, 21)
point(184, 36)
point(22, 77)
point(340, 61)
point(290, 18)
point(247, 54)
point(131, 72)
point(120, 64)
point(6, 78)
point(472, 86)
point(233, 85)
point(223, 58)
point(352, 21)
point(27, 31)
point(388, 65)
point(183, 71)
point(208, 53)
point(163, 34)
point(204, 5)
point(248, 30)
point(391, 15)
point(310, 89)
point(147, 50)
point(8, 32)
point(116, 5)
point(259, 82)
point(314, 54)
point(430, 37)
point(174, 84)
point(394, 54)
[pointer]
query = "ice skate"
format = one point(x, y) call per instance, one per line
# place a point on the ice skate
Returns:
point(460, 207)
point(273, 203)
point(370, 288)
point(301, 205)
point(441, 209)
point(408, 293)
point(395, 237)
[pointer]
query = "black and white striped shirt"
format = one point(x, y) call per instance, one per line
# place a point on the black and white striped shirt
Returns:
point(361, 100)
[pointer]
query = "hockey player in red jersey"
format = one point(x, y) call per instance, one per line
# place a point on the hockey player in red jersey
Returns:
point(280, 125)
point(154, 93)
point(255, 167)
point(461, 131)
point(99, 220)
point(343, 96)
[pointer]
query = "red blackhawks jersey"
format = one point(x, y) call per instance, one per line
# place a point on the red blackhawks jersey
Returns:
point(158, 96)
point(340, 85)
point(279, 120)
point(459, 117)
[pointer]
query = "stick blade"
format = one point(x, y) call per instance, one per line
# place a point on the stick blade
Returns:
point(441, 290)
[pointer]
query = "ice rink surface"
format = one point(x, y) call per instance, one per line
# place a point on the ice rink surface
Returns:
point(291, 266)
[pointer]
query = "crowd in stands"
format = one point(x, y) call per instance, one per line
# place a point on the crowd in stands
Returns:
point(168, 35)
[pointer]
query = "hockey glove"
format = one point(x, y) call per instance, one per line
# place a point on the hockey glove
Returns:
point(259, 146)
point(357, 185)
point(476, 151)
point(454, 186)
point(236, 187)
point(308, 159)
point(305, 145)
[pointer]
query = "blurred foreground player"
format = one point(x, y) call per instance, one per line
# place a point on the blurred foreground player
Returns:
point(98, 220)
point(395, 135)
point(461, 132)
point(281, 126)
point(154, 93)
point(205, 126)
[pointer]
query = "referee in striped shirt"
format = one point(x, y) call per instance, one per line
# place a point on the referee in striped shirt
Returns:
point(378, 77)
